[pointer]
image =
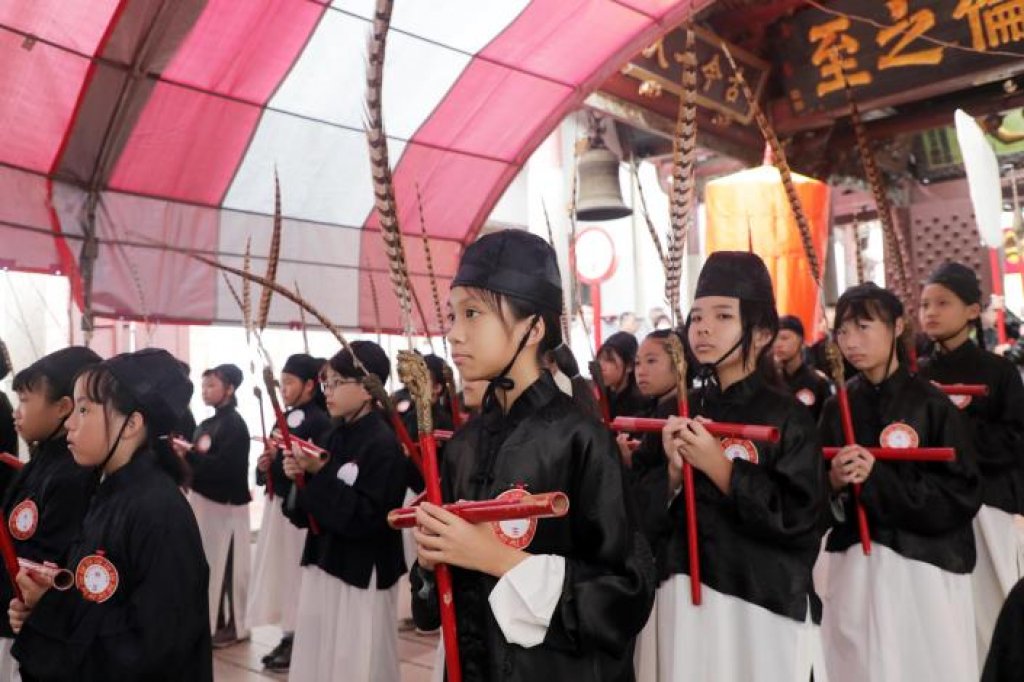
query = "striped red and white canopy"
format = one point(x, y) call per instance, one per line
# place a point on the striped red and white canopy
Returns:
point(162, 122)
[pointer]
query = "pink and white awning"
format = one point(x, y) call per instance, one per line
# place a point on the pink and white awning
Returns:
point(163, 122)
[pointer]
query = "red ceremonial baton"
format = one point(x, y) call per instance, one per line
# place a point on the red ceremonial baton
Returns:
point(414, 374)
point(10, 557)
point(973, 390)
point(11, 461)
point(754, 432)
point(543, 505)
point(311, 449)
point(286, 439)
point(60, 579)
point(675, 352)
point(904, 454)
point(411, 449)
point(835, 358)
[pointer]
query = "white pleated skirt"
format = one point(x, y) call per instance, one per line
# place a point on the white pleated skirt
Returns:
point(892, 619)
point(645, 652)
point(219, 524)
point(9, 667)
point(999, 568)
point(727, 639)
point(344, 632)
point(276, 573)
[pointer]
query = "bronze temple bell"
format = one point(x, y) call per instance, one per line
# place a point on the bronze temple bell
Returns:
point(600, 194)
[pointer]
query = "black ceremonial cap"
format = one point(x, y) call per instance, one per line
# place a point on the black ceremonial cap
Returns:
point(736, 274)
point(513, 263)
point(959, 279)
point(157, 383)
point(61, 367)
point(370, 355)
point(303, 366)
point(229, 374)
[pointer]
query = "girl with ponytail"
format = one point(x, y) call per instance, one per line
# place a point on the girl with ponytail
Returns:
point(950, 311)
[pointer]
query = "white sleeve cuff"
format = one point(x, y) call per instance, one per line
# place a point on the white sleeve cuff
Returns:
point(525, 598)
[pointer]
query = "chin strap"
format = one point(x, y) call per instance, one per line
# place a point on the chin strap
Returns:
point(707, 373)
point(117, 441)
point(502, 380)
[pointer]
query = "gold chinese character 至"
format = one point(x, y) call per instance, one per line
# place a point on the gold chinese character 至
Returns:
point(657, 50)
point(910, 27)
point(712, 71)
point(993, 22)
point(834, 56)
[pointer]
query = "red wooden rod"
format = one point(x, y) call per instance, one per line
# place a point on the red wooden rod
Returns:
point(10, 557)
point(286, 440)
point(973, 390)
point(446, 599)
point(904, 454)
point(848, 435)
point(690, 500)
point(311, 449)
point(443, 435)
point(543, 505)
point(766, 434)
point(411, 450)
point(11, 461)
point(60, 579)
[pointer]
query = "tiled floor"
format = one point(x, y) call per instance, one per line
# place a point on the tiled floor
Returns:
point(241, 663)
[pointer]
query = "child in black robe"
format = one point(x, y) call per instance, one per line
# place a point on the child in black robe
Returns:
point(906, 611)
point(950, 309)
point(559, 599)
point(138, 609)
point(48, 498)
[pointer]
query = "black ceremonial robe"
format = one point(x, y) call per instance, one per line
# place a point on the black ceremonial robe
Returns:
point(759, 541)
point(995, 423)
point(546, 444)
point(308, 422)
point(810, 388)
point(55, 492)
point(221, 472)
point(350, 498)
point(154, 627)
point(920, 510)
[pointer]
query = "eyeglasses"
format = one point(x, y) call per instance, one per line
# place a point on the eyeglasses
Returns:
point(329, 386)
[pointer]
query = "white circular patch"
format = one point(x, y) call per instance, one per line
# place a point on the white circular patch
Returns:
point(96, 578)
point(348, 473)
point(295, 419)
point(960, 401)
point(204, 443)
point(516, 533)
point(736, 448)
point(899, 435)
point(24, 520)
point(806, 396)
point(403, 406)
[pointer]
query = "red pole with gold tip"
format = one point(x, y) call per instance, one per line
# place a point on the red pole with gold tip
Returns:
point(675, 352)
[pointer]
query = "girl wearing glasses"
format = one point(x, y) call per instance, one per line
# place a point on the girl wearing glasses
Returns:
point(345, 626)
